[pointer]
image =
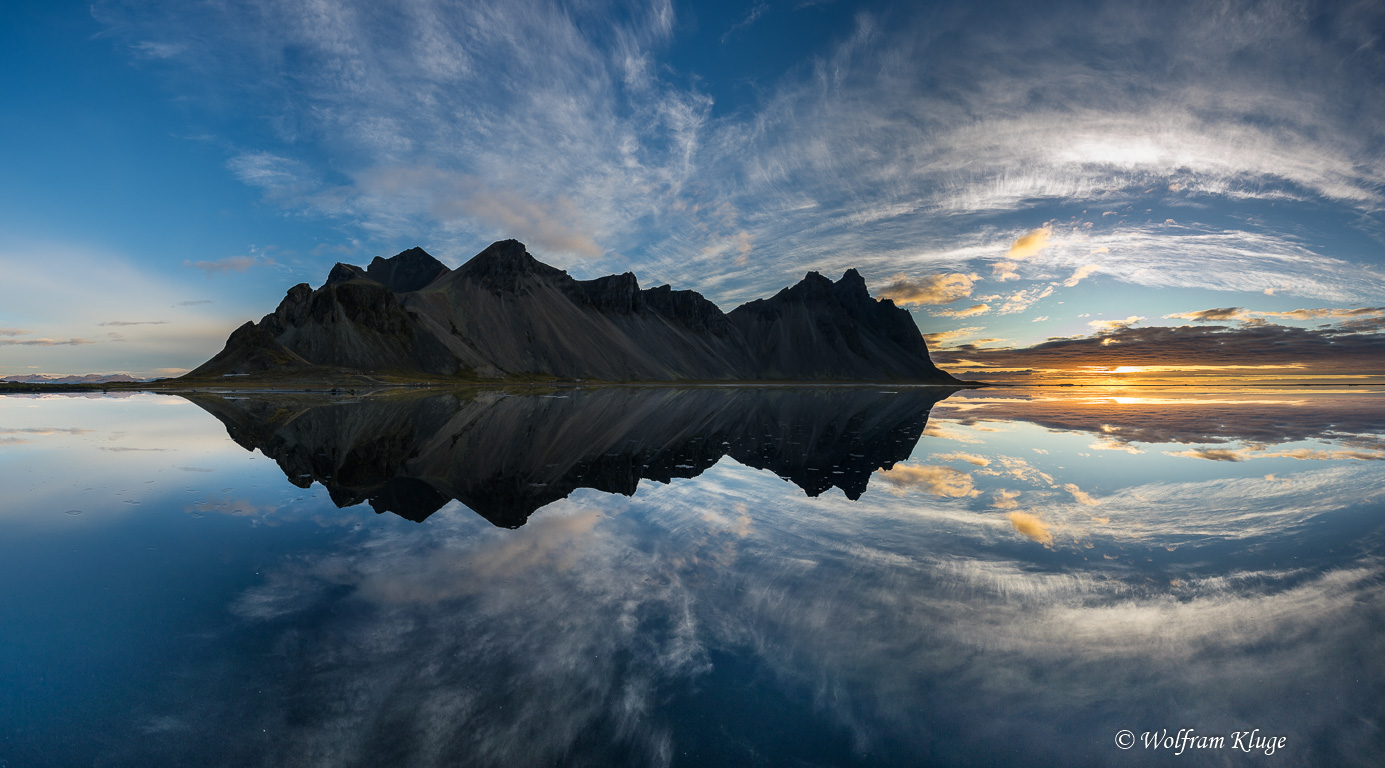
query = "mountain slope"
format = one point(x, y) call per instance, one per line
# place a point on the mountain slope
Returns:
point(506, 314)
point(818, 329)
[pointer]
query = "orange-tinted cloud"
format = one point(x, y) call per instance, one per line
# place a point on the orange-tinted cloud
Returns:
point(1026, 246)
point(1107, 326)
point(1030, 244)
point(934, 289)
point(1077, 276)
point(972, 311)
point(938, 338)
point(1237, 313)
point(1328, 314)
point(1210, 315)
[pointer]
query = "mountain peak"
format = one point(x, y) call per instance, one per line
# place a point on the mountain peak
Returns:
point(504, 255)
point(821, 329)
point(813, 288)
point(344, 272)
point(406, 271)
point(501, 265)
point(852, 279)
point(851, 289)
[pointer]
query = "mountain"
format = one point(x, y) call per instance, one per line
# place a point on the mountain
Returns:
point(821, 329)
point(506, 314)
point(90, 378)
point(411, 454)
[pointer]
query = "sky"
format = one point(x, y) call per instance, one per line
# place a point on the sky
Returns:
point(1054, 190)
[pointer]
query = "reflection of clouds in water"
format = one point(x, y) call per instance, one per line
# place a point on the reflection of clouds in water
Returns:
point(1211, 454)
point(44, 431)
point(1114, 445)
point(1263, 417)
point(1031, 526)
point(936, 431)
point(1022, 470)
point(1005, 499)
point(1302, 454)
point(443, 575)
point(1081, 496)
point(969, 458)
point(1156, 514)
point(937, 480)
point(1111, 618)
point(507, 646)
point(1179, 513)
point(501, 646)
point(237, 507)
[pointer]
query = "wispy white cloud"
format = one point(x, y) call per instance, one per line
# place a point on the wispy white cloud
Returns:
point(1024, 299)
point(750, 18)
point(229, 264)
point(456, 125)
point(156, 50)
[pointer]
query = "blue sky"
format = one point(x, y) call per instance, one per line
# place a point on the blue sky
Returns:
point(1018, 172)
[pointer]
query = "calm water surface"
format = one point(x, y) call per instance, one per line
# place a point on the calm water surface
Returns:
point(702, 577)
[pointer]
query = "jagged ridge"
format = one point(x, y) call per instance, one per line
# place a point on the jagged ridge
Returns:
point(505, 313)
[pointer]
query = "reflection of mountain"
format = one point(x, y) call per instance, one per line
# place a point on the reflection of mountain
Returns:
point(505, 456)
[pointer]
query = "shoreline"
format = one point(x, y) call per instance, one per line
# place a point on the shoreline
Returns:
point(357, 387)
point(367, 386)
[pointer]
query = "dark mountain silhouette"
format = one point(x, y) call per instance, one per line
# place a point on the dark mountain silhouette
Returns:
point(506, 314)
point(505, 456)
point(821, 329)
point(90, 378)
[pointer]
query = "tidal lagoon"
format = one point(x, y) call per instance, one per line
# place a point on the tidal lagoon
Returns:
point(711, 576)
